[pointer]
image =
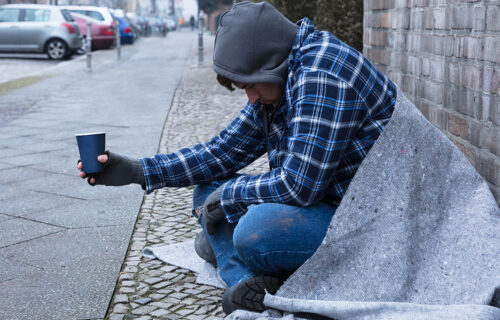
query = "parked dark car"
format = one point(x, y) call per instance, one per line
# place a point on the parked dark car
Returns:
point(127, 35)
point(102, 34)
point(159, 26)
point(171, 24)
point(136, 27)
point(145, 25)
point(38, 28)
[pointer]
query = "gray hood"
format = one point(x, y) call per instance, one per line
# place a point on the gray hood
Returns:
point(252, 44)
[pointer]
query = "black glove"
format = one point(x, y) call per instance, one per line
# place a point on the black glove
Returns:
point(212, 211)
point(119, 171)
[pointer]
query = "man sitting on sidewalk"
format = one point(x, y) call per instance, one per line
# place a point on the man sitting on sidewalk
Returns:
point(316, 106)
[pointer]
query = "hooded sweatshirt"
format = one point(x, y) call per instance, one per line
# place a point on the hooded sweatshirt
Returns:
point(252, 44)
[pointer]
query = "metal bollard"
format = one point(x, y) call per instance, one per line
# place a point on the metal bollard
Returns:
point(118, 41)
point(200, 40)
point(88, 48)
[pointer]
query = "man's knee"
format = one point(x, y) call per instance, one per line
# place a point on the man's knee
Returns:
point(260, 235)
point(250, 235)
point(273, 238)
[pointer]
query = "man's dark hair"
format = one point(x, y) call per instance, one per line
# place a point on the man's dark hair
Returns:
point(225, 82)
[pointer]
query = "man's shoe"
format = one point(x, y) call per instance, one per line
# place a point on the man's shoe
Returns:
point(249, 294)
point(203, 248)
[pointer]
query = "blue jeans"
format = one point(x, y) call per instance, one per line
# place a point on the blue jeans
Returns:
point(270, 239)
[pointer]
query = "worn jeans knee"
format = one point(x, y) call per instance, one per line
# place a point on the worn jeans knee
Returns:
point(231, 269)
point(275, 239)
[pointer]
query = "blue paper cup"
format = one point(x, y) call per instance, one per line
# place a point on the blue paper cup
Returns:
point(91, 145)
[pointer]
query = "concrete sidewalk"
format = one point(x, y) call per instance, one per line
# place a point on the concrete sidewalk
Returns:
point(151, 289)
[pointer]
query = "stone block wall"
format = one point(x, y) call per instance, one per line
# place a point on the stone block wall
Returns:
point(445, 56)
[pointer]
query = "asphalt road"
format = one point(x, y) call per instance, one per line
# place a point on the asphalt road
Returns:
point(62, 242)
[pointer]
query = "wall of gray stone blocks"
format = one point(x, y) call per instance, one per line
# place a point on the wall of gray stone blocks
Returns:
point(445, 56)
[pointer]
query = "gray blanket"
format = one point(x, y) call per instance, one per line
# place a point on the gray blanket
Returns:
point(417, 236)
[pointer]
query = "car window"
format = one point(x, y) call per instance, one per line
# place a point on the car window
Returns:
point(36, 15)
point(67, 15)
point(96, 15)
point(79, 11)
point(9, 14)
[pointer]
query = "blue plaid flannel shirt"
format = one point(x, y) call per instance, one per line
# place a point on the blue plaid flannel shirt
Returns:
point(335, 105)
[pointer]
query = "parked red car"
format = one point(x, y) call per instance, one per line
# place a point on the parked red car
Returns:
point(102, 34)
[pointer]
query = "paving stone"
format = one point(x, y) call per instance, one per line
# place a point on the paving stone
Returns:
point(126, 290)
point(194, 317)
point(165, 291)
point(159, 313)
point(200, 311)
point(157, 296)
point(133, 263)
point(192, 291)
point(172, 316)
point(120, 298)
point(178, 295)
point(184, 312)
point(210, 307)
point(128, 283)
point(178, 278)
point(142, 289)
point(204, 287)
point(188, 301)
point(130, 269)
point(156, 273)
point(120, 308)
point(161, 284)
point(153, 280)
point(116, 317)
point(144, 310)
point(126, 276)
point(143, 301)
point(172, 301)
point(162, 305)
point(169, 275)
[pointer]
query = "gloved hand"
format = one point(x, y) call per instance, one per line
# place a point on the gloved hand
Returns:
point(212, 211)
point(118, 171)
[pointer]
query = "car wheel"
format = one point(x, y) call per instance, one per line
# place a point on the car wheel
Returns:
point(56, 49)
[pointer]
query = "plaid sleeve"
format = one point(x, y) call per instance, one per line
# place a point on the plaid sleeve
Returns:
point(234, 148)
point(326, 113)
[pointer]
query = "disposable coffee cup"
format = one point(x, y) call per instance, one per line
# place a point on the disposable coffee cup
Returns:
point(91, 145)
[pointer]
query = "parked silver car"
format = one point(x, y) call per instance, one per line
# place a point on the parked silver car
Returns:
point(38, 28)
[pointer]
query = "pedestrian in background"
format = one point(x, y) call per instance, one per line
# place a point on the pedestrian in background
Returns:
point(315, 105)
point(191, 23)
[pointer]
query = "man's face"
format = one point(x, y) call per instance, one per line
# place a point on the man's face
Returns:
point(266, 93)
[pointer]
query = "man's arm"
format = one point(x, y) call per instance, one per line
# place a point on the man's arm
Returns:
point(326, 114)
point(234, 148)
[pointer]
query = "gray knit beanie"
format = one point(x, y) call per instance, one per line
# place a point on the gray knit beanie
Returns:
point(252, 44)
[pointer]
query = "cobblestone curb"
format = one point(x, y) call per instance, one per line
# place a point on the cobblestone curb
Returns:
point(151, 289)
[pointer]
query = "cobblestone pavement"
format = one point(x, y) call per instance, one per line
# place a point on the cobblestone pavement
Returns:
point(151, 289)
